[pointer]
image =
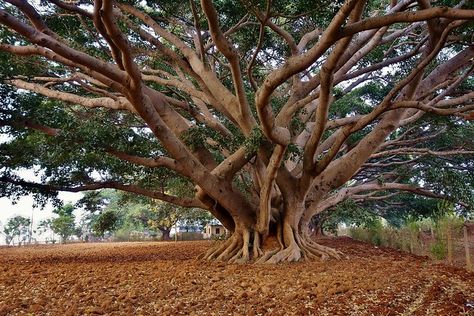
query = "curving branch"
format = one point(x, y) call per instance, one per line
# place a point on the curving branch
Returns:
point(421, 151)
point(327, 81)
point(198, 35)
point(156, 162)
point(224, 98)
point(227, 49)
point(105, 102)
point(412, 16)
point(30, 124)
point(354, 192)
point(72, 8)
point(46, 41)
point(261, 34)
point(125, 59)
point(132, 188)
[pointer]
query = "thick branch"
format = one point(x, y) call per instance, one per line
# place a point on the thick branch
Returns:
point(422, 151)
point(185, 202)
point(156, 162)
point(413, 16)
point(119, 104)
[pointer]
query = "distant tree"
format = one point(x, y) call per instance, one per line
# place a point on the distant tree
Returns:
point(163, 216)
point(195, 217)
point(17, 226)
point(129, 212)
point(107, 221)
point(347, 212)
point(64, 225)
point(150, 215)
point(44, 226)
point(273, 111)
point(95, 205)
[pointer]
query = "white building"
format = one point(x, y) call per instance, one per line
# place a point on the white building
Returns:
point(214, 229)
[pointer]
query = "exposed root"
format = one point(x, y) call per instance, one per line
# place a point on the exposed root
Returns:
point(230, 251)
point(214, 251)
point(313, 249)
point(289, 254)
point(267, 255)
point(257, 250)
point(233, 250)
point(300, 249)
point(237, 249)
point(243, 254)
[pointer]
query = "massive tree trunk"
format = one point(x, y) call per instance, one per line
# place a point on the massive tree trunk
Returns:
point(177, 85)
point(286, 225)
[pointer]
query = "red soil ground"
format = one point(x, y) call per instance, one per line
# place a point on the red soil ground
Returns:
point(165, 279)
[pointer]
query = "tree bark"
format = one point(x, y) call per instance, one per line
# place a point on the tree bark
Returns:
point(165, 234)
point(285, 195)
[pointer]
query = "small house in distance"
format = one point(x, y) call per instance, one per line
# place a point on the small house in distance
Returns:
point(214, 229)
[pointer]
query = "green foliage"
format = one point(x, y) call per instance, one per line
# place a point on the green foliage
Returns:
point(253, 142)
point(194, 137)
point(64, 227)
point(78, 151)
point(105, 222)
point(438, 250)
point(66, 210)
point(197, 137)
point(44, 226)
point(17, 226)
point(375, 229)
point(64, 224)
point(355, 102)
point(349, 213)
point(407, 238)
point(93, 201)
point(195, 217)
point(293, 153)
point(456, 183)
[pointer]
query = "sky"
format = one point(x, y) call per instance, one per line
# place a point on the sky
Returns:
point(24, 206)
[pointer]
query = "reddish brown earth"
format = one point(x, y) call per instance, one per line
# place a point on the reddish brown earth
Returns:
point(165, 279)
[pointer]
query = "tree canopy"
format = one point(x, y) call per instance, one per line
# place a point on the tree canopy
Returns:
point(108, 211)
point(64, 224)
point(263, 113)
point(19, 227)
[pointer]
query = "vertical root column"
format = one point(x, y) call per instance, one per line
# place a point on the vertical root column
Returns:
point(242, 254)
point(257, 250)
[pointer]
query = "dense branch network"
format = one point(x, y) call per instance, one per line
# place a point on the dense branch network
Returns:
point(272, 119)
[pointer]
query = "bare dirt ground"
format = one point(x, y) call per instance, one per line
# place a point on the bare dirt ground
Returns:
point(165, 279)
